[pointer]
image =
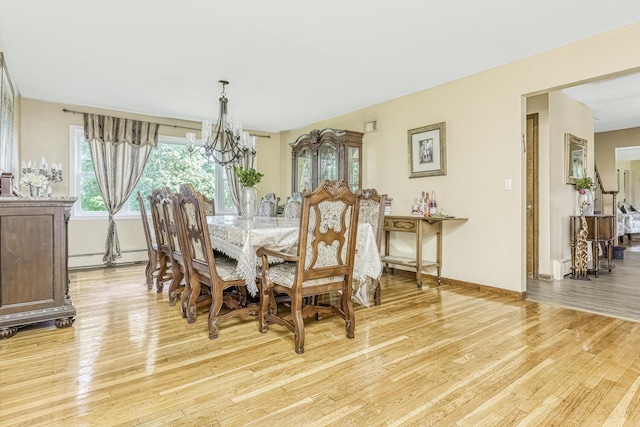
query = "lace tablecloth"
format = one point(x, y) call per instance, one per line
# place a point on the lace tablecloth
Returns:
point(239, 239)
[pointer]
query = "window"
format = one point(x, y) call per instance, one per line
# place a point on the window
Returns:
point(169, 165)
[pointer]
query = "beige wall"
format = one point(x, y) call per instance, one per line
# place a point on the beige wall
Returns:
point(44, 129)
point(566, 115)
point(621, 167)
point(634, 192)
point(605, 150)
point(485, 126)
point(484, 117)
point(605, 154)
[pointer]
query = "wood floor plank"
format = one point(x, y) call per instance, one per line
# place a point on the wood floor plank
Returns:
point(436, 356)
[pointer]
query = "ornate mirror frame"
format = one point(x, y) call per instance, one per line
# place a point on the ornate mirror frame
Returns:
point(575, 155)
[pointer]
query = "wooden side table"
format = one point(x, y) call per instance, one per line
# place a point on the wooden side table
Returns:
point(417, 225)
point(600, 229)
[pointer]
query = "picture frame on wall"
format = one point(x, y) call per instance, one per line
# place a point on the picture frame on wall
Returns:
point(427, 150)
point(6, 118)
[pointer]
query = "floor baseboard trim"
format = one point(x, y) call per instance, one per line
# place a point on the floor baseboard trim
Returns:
point(433, 281)
point(485, 288)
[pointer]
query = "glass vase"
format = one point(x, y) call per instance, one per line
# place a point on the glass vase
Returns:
point(248, 202)
point(585, 202)
point(34, 191)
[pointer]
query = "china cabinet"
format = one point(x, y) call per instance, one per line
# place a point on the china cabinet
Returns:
point(34, 282)
point(326, 154)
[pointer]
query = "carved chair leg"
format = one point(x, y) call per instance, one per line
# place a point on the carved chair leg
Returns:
point(214, 310)
point(152, 264)
point(349, 315)
point(175, 284)
point(266, 296)
point(377, 299)
point(161, 273)
point(192, 300)
point(298, 327)
point(184, 302)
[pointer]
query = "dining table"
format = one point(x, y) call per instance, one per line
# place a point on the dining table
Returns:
point(240, 238)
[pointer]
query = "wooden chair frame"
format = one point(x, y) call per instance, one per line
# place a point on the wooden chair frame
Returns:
point(305, 264)
point(162, 237)
point(201, 265)
point(179, 270)
point(152, 264)
point(378, 226)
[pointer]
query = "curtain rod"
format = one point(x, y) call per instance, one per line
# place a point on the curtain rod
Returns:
point(66, 110)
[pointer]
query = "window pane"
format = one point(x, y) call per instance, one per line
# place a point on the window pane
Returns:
point(228, 201)
point(85, 157)
point(90, 197)
point(170, 166)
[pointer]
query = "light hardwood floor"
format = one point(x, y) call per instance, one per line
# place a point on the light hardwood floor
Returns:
point(615, 293)
point(436, 356)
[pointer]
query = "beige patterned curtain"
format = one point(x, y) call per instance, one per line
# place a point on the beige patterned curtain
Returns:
point(119, 151)
point(248, 160)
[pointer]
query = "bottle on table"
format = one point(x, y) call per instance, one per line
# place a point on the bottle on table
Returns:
point(434, 204)
point(427, 205)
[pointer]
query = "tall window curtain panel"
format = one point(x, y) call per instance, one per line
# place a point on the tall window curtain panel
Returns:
point(119, 151)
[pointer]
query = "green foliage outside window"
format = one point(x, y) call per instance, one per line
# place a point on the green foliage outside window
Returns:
point(168, 165)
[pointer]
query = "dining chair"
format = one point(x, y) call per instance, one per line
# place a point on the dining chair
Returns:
point(217, 275)
point(269, 205)
point(293, 205)
point(372, 212)
point(323, 262)
point(209, 205)
point(179, 269)
point(149, 237)
point(162, 237)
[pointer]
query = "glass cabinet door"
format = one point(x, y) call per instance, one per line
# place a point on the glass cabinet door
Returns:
point(304, 169)
point(328, 163)
point(353, 168)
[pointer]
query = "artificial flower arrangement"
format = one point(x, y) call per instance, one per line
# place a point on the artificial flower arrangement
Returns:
point(33, 179)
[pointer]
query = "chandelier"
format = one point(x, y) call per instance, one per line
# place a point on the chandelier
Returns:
point(225, 142)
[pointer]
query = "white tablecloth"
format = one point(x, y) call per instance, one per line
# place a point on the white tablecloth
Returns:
point(240, 239)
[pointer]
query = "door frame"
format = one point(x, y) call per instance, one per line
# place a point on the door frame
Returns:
point(532, 196)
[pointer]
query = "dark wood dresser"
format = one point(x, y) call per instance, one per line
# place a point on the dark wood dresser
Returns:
point(34, 281)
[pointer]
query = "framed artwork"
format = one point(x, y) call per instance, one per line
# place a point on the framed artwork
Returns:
point(427, 151)
point(6, 119)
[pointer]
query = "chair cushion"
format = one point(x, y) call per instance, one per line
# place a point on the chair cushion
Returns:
point(227, 269)
point(284, 275)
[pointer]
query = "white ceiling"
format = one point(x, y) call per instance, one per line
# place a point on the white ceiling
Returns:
point(615, 102)
point(290, 62)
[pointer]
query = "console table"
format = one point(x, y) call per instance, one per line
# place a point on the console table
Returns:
point(417, 225)
point(600, 229)
point(34, 282)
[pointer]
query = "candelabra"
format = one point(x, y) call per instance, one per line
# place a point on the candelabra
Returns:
point(37, 179)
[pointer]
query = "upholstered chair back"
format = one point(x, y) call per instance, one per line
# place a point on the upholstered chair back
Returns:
point(269, 205)
point(293, 206)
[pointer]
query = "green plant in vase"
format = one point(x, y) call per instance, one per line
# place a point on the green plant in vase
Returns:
point(585, 196)
point(248, 178)
point(583, 184)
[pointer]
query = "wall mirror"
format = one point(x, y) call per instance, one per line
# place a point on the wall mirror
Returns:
point(575, 158)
